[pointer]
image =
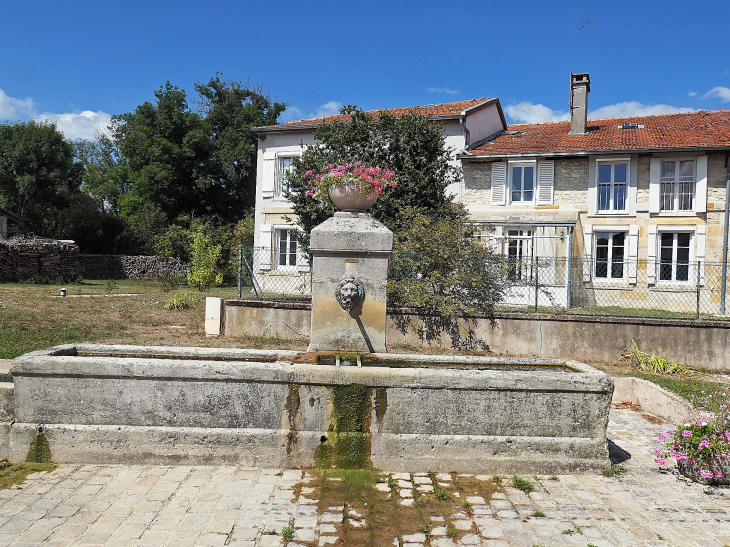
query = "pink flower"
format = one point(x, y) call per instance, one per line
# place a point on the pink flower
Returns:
point(705, 474)
point(661, 461)
point(718, 474)
point(662, 437)
point(686, 433)
point(657, 450)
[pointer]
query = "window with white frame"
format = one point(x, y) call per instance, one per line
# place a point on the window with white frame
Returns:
point(286, 166)
point(286, 249)
point(519, 247)
point(522, 182)
point(677, 188)
point(612, 187)
point(674, 256)
point(610, 255)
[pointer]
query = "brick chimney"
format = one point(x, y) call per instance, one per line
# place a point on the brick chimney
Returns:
point(580, 86)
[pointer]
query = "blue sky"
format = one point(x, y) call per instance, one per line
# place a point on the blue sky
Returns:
point(77, 63)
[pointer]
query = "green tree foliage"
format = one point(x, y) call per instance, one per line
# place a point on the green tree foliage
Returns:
point(103, 178)
point(167, 149)
point(440, 268)
point(231, 109)
point(38, 175)
point(412, 146)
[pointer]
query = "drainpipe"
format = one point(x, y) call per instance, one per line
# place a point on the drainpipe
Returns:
point(570, 267)
point(723, 291)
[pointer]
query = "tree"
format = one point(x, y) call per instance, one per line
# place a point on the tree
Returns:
point(413, 146)
point(38, 175)
point(102, 177)
point(439, 267)
point(167, 151)
point(231, 109)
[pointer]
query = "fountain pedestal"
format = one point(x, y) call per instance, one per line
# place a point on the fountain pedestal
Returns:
point(349, 280)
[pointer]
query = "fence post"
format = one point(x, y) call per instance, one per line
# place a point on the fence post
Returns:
point(698, 290)
point(537, 283)
point(240, 271)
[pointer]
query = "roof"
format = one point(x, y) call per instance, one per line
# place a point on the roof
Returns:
point(10, 216)
point(689, 130)
point(443, 110)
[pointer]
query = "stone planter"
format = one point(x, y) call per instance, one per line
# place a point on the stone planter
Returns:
point(347, 198)
point(692, 471)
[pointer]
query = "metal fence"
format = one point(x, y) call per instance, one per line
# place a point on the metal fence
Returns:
point(590, 286)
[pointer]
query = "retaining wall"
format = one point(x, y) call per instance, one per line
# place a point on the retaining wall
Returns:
point(701, 344)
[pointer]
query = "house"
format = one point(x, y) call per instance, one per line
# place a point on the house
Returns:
point(7, 218)
point(637, 202)
point(278, 265)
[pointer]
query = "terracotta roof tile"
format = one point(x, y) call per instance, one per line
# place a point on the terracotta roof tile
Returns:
point(444, 109)
point(686, 130)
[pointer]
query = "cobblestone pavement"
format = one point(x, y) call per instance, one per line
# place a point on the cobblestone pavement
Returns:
point(207, 506)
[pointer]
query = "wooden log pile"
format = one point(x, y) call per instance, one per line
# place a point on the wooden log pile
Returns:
point(130, 267)
point(22, 257)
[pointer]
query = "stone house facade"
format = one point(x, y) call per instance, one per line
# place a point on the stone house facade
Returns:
point(278, 264)
point(636, 202)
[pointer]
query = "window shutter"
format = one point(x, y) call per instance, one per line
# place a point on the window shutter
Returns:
point(701, 239)
point(269, 178)
point(499, 183)
point(655, 170)
point(633, 252)
point(545, 182)
point(651, 254)
point(587, 252)
point(264, 253)
point(701, 185)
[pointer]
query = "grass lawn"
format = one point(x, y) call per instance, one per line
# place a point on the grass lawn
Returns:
point(34, 317)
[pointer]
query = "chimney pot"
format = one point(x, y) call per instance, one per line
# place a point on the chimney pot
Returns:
point(580, 86)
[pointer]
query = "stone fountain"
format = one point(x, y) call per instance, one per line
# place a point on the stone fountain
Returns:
point(167, 405)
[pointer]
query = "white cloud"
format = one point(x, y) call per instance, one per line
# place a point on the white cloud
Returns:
point(722, 93)
point(635, 108)
point(691, 94)
point(442, 90)
point(78, 126)
point(12, 108)
point(328, 109)
point(525, 112)
point(291, 113)
point(73, 125)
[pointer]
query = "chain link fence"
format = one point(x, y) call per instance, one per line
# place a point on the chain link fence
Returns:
point(589, 286)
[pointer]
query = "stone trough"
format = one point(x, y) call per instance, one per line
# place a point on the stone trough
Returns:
point(163, 405)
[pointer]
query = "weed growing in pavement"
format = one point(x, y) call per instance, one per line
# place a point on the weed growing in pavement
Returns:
point(538, 514)
point(614, 470)
point(287, 534)
point(442, 494)
point(522, 484)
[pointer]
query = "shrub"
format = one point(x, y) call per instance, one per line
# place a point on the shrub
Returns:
point(204, 272)
point(650, 362)
point(181, 301)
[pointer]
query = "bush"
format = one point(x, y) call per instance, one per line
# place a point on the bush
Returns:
point(204, 271)
point(181, 301)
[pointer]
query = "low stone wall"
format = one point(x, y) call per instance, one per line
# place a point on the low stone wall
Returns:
point(700, 344)
point(129, 267)
point(23, 257)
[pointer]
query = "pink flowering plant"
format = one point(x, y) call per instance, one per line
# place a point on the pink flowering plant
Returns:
point(370, 181)
point(701, 445)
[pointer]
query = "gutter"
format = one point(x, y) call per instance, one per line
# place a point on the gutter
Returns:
point(489, 157)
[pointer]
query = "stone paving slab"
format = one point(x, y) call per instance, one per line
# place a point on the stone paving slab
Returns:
point(115, 505)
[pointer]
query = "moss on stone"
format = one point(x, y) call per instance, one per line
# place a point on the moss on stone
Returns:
point(40, 450)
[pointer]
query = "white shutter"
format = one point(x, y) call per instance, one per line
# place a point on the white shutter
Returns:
point(545, 182)
point(633, 252)
point(269, 178)
point(264, 253)
point(701, 239)
point(587, 252)
point(655, 171)
point(701, 185)
point(651, 254)
point(499, 183)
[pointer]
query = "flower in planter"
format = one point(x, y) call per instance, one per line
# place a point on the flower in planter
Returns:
point(370, 181)
point(701, 447)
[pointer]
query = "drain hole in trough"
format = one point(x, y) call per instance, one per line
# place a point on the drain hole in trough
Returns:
point(323, 439)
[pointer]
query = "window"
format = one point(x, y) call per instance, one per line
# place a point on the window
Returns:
point(286, 249)
point(519, 254)
point(677, 188)
point(674, 253)
point(285, 167)
point(522, 181)
point(613, 184)
point(610, 255)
